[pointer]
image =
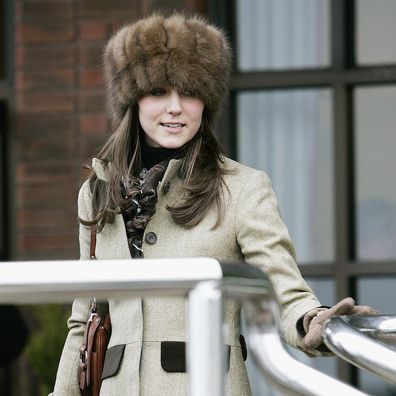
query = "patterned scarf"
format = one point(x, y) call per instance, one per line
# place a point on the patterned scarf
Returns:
point(143, 196)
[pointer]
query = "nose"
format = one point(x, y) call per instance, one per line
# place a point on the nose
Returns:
point(174, 103)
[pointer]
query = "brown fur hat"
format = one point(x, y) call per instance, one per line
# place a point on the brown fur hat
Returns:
point(156, 52)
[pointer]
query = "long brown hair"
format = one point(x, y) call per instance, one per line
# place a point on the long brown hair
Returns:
point(201, 170)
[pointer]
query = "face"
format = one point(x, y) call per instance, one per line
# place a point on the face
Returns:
point(170, 119)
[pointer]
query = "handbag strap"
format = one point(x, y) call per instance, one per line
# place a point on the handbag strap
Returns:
point(92, 256)
point(92, 247)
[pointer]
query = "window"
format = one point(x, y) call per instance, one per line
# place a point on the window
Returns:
point(288, 134)
point(3, 233)
point(375, 31)
point(312, 103)
point(375, 163)
point(292, 35)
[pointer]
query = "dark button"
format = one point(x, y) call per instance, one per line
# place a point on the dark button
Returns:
point(151, 238)
point(166, 187)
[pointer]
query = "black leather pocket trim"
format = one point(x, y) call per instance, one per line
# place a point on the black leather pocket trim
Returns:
point(112, 361)
point(173, 356)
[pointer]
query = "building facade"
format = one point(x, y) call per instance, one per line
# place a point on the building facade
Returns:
point(312, 103)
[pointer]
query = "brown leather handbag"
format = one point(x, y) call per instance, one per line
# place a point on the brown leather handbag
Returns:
point(94, 346)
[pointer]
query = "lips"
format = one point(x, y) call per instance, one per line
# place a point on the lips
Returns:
point(173, 125)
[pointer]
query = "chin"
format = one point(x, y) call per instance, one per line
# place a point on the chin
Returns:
point(172, 145)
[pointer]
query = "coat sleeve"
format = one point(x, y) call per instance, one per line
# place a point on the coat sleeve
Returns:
point(264, 241)
point(66, 383)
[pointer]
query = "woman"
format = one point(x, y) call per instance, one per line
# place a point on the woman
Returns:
point(161, 187)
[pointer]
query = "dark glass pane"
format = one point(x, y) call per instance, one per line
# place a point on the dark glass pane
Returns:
point(288, 134)
point(279, 34)
point(376, 31)
point(375, 120)
point(3, 188)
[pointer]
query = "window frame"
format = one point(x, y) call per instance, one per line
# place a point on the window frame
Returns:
point(341, 77)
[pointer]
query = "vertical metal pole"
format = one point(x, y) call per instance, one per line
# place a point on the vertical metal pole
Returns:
point(205, 349)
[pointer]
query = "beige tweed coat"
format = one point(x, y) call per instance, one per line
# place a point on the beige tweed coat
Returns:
point(252, 230)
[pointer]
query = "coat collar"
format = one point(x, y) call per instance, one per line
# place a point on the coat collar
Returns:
point(102, 171)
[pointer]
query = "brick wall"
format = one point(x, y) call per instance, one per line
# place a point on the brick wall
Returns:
point(59, 119)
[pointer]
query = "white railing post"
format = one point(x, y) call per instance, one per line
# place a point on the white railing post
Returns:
point(205, 349)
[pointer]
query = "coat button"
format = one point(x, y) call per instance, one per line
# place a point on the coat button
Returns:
point(151, 238)
point(166, 187)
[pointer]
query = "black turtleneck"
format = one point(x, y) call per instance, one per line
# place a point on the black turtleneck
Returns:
point(154, 155)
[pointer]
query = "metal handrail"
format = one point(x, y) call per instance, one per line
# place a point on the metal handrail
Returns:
point(367, 342)
point(206, 283)
point(272, 359)
point(24, 282)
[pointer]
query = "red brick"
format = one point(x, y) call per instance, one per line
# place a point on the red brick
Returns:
point(93, 123)
point(42, 79)
point(43, 218)
point(199, 6)
point(115, 25)
point(90, 147)
point(46, 146)
point(44, 33)
point(69, 253)
point(108, 9)
point(167, 7)
point(59, 197)
point(46, 173)
point(45, 103)
point(93, 30)
point(64, 55)
point(92, 101)
point(47, 9)
point(91, 55)
point(46, 242)
point(91, 77)
point(27, 126)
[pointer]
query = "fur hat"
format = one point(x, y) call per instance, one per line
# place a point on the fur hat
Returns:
point(156, 52)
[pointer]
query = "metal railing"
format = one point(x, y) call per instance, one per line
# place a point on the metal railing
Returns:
point(368, 342)
point(206, 283)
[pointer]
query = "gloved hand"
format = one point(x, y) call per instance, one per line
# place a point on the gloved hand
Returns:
point(313, 320)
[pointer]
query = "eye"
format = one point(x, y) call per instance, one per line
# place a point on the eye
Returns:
point(158, 92)
point(190, 94)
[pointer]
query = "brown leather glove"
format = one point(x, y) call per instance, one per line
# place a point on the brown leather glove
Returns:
point(314, 319)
